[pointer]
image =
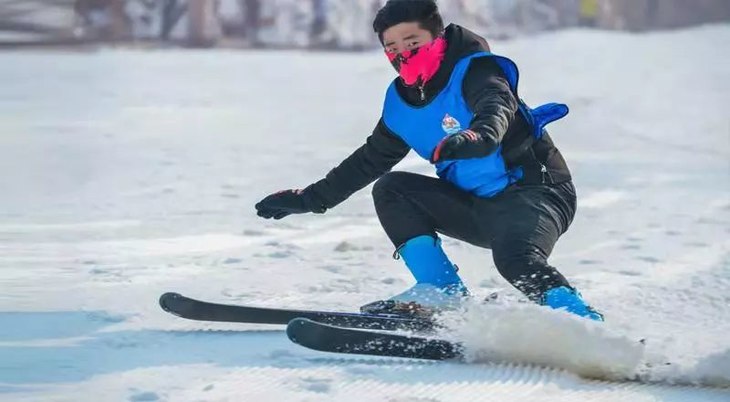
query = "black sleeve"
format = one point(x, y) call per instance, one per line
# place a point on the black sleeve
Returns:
point(381, 152)
point(490, 98)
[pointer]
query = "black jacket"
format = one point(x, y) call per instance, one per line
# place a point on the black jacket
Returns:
point(495, 107)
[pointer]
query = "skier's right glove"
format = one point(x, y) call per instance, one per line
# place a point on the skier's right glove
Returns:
point(287, 202)
point(466, 144)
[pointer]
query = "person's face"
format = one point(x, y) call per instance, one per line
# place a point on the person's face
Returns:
point(405, 36)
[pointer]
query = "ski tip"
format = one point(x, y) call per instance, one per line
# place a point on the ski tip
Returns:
point(293, 326)
point(297, 330)
point(168, 297)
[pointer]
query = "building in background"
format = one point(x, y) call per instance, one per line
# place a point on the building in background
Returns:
point(319, 24)
point(29, 22)
point(643, 15)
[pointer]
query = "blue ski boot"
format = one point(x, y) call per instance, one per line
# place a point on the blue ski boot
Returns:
point(571, 301)
point(438, 286)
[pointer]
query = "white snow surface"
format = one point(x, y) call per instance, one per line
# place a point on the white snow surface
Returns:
point(129, 173)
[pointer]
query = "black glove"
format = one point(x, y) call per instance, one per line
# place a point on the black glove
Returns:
point(463, 145)
point(287, 202)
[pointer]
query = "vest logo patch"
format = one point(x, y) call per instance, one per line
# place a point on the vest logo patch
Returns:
point(450, 125)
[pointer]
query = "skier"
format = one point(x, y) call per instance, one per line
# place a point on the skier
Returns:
point(501, 184)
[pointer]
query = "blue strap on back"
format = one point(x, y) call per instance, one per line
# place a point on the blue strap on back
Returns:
point(544, 115)
point(538, 117)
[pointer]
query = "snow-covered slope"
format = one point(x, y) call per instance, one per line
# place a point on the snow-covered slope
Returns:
point(126, 174)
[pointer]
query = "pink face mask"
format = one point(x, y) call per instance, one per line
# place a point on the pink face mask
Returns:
point(419, 65)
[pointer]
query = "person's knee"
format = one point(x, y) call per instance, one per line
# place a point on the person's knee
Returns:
point(390, 184)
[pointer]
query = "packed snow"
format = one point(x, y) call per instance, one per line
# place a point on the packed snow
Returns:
point(129, 173)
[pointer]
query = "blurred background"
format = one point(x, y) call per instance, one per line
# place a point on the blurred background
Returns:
point(318, 24)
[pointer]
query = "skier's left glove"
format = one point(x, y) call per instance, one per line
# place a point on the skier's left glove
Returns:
point(464, 145)
point(287, 202)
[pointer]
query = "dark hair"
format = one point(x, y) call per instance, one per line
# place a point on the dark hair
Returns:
point(394, 12)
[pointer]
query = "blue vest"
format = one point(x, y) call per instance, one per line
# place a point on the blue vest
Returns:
point(422, 128)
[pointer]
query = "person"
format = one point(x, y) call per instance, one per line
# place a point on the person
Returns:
point(251, 21)
point(319, 21)
point(101, 19)
point(502, 184)
point(588, 13)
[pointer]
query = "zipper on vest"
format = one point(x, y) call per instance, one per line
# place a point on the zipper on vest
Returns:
point(543, 170)
point(423, 94)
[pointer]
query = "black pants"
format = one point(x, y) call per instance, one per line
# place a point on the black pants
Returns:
point(521, 225)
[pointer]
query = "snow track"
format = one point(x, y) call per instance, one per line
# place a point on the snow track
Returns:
point(424, 382)
point(126, 174)
point(264, 366)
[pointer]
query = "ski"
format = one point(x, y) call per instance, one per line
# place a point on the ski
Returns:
point(331, 338)
point(192, 309)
